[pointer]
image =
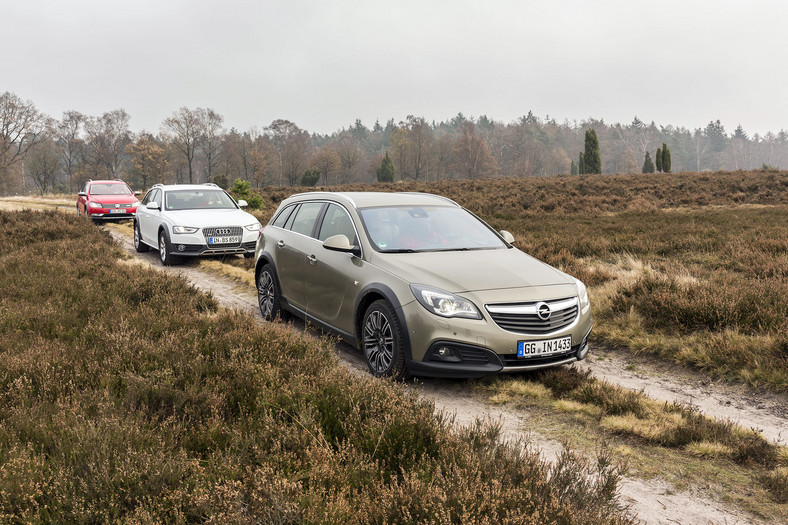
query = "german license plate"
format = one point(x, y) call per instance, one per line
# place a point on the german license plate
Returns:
point(541, 348)
point(120, 210)
point(224, 240)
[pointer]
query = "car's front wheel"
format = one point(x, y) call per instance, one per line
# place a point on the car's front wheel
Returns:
point(167, 259)
point(268, 293)
point(381, 341)
point(140, 246)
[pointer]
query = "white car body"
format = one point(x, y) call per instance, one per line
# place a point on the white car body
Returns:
point(170, 221)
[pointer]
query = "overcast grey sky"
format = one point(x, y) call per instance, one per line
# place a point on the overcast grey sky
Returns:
point(322, 64)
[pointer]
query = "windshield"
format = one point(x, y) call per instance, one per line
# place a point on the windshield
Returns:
point(427, 228)
point(197, 200)
point(111, 188)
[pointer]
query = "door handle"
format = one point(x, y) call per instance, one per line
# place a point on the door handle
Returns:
point(280, 243)
point(312, 259)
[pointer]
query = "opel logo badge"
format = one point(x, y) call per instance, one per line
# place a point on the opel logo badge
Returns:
point(543, 311)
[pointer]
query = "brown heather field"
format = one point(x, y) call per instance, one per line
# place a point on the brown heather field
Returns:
point(692, 267)
point(128, 396)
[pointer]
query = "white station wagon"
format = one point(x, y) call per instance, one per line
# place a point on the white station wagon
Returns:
point(188, 220)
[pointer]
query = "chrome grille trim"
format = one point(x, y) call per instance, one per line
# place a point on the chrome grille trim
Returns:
point(223, 231)
point(523, 318)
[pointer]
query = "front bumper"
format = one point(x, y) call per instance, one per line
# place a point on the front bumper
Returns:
point(481, 347)
point(108, 214)
point(195, 245)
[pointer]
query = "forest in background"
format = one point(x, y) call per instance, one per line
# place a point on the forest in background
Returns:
point(41, 154)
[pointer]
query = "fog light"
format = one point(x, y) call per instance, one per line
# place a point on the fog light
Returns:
point(181, 247)
point(445, 351)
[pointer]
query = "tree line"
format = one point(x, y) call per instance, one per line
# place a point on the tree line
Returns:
point(44, 154)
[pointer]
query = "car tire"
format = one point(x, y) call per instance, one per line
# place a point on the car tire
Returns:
point(268, 294)
point(165, 250)
point(79, 213)
point(140, 246)
point(382, 341)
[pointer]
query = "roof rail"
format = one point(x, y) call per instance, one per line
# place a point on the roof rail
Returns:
point(157, 185)
point(211, 184)
point(431, 195)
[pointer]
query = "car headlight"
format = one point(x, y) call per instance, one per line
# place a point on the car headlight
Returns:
point(184, 229)
point(256, 227)
point(582, 294)
point(443, 303)
point(94, 205)
point(135, 204)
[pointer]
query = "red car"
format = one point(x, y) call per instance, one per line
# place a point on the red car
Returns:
point(107, 199)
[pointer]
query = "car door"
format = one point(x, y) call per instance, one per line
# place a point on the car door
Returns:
point(332, 277)
point(295, 241)
point(148, 219)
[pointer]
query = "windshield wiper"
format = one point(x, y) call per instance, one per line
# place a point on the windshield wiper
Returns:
point(402, 250)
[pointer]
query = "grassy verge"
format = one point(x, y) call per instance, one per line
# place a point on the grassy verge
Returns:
point(128, 396)
point(672, 441)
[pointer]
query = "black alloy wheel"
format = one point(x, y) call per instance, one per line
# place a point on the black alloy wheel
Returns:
point(382, 341)
point(268, 294)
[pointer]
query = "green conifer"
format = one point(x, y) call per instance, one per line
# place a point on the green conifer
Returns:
point(581, 164)
point(385, 171)
point(658, 159)
point(665, 158)
point(592, 157)
point(648, 165)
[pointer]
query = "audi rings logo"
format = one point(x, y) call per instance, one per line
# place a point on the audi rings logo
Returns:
point(222, 231)
point(543, 311)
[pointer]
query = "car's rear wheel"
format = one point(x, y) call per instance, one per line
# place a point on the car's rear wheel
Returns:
point(140, 246)
point(381, 341)
point(268, 294)
point(79, 212)
point(167, 259)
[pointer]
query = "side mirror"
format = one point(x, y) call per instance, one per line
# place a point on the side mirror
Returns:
point(508, 237)
point(340, 243)
point(82, 194)
point(242, 203)
point(152, 205)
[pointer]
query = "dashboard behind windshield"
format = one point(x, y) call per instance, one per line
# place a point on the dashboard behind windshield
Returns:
point(197, 200)
point(427, 228)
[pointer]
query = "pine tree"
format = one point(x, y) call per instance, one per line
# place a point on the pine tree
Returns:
point(591, 156)
point(385, 171)
point(665, 158)
point(648, 165)
point(573, 168)
point(581, 164)
point(658, 159)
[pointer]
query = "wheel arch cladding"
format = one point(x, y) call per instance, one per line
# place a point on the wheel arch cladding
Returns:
point(371, 293)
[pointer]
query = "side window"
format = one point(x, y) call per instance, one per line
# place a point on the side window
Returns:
point(305, 218)
point(156, 197)
point(148, 197)
point(337, 222)
point(282, 217)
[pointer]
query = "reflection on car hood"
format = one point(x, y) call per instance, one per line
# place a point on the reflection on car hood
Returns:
point(470, 271)
point(206, 218)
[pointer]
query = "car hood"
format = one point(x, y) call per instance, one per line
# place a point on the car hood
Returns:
point(209, 218)
point(113, 199)
point(470, 271)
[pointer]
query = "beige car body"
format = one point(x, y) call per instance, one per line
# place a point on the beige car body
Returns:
point(333, 282)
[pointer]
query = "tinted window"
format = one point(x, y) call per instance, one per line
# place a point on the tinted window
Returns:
point(198, 200)
point(283, 216)
point(337, 222)
point(109, 188)
point(148, 197)
point(427, 228)
point(305, 218)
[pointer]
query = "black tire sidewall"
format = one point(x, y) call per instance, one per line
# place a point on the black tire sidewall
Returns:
point(275, 309)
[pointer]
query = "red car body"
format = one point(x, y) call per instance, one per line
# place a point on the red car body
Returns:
point(107, 200)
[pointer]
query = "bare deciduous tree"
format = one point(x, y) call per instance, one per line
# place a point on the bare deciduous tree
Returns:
point(184, 129)
point(21, 127)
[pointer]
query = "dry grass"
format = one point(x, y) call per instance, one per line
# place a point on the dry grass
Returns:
point(128, 396)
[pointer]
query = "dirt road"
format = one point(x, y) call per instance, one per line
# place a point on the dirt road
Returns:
point(654, 501)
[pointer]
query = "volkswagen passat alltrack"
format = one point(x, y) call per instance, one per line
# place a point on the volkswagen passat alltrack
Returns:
point(187, 220)
point(421, 285)
point(103, 200)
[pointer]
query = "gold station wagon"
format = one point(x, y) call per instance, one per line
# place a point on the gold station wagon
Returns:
point(419, 284)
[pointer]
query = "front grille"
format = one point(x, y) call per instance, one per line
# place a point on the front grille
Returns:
point(251, 245)
point(223, 231)
point(116, 206)
point(523, 318)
